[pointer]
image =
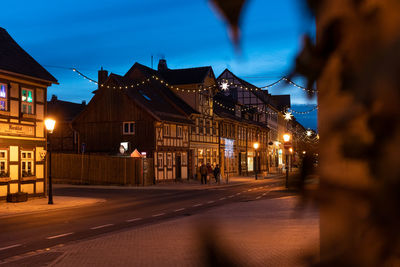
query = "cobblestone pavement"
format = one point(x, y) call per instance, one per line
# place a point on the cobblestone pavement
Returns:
point(269, 232)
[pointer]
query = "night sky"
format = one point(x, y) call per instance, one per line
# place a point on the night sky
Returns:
point(115, 34)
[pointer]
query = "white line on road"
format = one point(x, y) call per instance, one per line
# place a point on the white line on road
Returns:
point(101, 226)
point(13, 246)
point(160, 214)
point(134, 220)
point(57, 236)
point(258, 197)
point(222, 198)
point(209, 202)
point(198, 205)
point(179, 210)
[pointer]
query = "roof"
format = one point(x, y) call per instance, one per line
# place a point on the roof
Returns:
point(63, 110)
point(261, 94)
point(185, 76)
point(14, 59)
point(154, 97)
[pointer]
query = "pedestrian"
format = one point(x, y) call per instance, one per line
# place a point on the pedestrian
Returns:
point(217, 172)
point(203, 173)
point(209, 171)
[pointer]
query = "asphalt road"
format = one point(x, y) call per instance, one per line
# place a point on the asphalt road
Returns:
point(122, 209)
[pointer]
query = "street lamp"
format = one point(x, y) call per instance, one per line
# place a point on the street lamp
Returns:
point(256, 145)
point(50, 123)
point(286, 139)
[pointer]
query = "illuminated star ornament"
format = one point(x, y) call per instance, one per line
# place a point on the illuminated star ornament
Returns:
point(224, 86)
point(288, 116)
point(309, 133)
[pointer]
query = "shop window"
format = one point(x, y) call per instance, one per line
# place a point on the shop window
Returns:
point(3, 164)
point(3, 96)
point(27, 163)
point(27, 101)
point(129, 127)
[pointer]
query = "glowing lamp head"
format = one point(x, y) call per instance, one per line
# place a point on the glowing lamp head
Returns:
point(291, 150)
point(224, 86)
point(49, 123)
point(256, 145)
point(304, 152)
point(286, 137)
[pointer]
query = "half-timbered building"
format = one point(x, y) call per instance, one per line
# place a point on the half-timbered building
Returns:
point(23, 92)
point(196, 87)
point(136, 111)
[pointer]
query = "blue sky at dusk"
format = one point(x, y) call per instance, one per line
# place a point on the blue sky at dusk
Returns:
point(115, 34)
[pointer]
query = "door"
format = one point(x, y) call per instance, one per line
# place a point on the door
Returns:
point(178, 167)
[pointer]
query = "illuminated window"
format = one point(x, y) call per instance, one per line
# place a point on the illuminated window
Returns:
point(27, 101)
point(169, 161)
point(27, 161)
point(3, 96)
point(3, 163)
point(129, 128)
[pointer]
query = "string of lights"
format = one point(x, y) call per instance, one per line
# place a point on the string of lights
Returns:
point(84, 76)
point(304, 112)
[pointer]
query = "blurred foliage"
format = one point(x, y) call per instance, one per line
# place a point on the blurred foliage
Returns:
point(357, 50)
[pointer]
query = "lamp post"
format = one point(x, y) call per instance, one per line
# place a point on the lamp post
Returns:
point(286, 140)
point(256, 145)
point(50, 123)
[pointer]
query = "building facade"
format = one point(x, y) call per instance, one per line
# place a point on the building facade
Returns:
point(23, 92)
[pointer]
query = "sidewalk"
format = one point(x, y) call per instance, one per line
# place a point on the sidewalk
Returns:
point(34, 205)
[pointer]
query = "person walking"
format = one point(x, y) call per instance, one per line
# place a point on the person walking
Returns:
point(217, 172)
point(203, 173)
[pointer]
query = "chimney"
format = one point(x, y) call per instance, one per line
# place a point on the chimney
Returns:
point(102, 76)
point(53, 98)
point(162, 65)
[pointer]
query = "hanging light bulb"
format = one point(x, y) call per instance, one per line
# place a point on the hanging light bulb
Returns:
point(224, 86)
point(288, 116)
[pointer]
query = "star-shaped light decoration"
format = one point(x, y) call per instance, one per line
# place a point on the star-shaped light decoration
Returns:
point(288, 116)
point(309, 133)
point(224, 86)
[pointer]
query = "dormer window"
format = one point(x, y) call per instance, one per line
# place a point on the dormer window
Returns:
point(27, 101)
point(3, 96)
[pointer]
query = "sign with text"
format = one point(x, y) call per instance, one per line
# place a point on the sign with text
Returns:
point(17, 129)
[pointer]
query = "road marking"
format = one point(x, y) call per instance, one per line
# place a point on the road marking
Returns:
point(222, 198)
point(264, 194)
point(101, 226)
point(134, 220)
point(157, 215)
point(198, 205)
point(258, 197)
point(209, 202)
point(57, 236)
point(12, 246)
point(179, 210)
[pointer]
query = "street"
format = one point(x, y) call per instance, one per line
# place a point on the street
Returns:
point(123, 209)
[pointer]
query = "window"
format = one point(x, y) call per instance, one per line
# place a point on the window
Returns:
point(179, 131)
point(27, 163)
point(129, 128)
point(3, 164)
point(3, 96)
point(27, 101)
point(167, 130)
point(169, 161)
point(160, 157)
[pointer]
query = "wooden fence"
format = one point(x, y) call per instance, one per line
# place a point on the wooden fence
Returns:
point(101, 170)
